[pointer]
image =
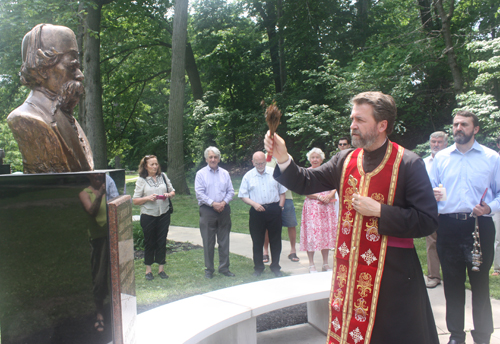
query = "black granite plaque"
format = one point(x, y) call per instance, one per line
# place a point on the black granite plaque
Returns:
point(54, 260)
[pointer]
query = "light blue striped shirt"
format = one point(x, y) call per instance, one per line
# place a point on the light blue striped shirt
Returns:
point(465, 177)
point(213, 186)
point(261, 188)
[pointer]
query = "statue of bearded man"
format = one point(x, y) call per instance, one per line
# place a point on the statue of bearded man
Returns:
point(49, 137)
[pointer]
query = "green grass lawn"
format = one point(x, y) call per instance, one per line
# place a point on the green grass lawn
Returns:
point(186, 268)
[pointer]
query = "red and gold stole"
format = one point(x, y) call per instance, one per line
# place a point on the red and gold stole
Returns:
point(360, 252)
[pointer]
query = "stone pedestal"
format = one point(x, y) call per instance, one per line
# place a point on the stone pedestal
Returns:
point(122, 270)
point(54, 260)
point(4, 169)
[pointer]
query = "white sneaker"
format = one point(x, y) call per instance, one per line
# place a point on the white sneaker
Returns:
point(432, 282)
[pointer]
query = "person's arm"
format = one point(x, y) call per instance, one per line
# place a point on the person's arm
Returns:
point(219, 206)
point(139, 198)
point(244, 194)
point(170, 189)
point(328, 197)
point(200, 188)
point(282, 200)
point(255, 205)
point(306, 181)
point(414, 212)
point(229, 191)
point(92, 207)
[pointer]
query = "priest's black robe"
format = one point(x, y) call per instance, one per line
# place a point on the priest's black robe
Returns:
point(404, 313)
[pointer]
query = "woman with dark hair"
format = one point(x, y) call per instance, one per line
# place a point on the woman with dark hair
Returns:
point(152, 191)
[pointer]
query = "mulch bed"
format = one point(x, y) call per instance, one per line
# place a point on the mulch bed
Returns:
point(283, 317)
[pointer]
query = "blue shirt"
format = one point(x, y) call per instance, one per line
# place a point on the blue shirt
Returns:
point(261, 188)
point(465, 177)
point(213, 186)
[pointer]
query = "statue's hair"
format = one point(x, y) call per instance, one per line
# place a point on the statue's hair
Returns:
point(35, 59)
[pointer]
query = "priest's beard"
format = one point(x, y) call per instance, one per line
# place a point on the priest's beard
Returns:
point(461, 138)
point(69, 96)
point(364, 140)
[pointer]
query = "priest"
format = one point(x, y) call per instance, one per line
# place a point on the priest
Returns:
point(378, 291)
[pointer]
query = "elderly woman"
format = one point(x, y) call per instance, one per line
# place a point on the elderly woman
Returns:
point(152, 191)
point(318, 228)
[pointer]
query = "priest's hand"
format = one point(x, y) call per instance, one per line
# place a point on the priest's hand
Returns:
point(277, 146)
point(366, 206)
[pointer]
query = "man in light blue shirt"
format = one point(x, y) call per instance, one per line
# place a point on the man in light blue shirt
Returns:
point(467, 170)
point(214, 190)
point(438, 140)
point(267, 199)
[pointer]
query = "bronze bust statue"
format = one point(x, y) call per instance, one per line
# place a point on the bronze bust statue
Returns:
point(49, 137)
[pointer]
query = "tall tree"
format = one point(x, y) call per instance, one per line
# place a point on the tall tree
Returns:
point(91, 116)
point(176, 170)
point(456, 71)
point(268, 12)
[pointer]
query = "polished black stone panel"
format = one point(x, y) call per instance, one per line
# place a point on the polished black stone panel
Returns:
point(54, 264)
point(4, 169)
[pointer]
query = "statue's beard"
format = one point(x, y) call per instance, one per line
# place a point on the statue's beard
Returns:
point(69, 96)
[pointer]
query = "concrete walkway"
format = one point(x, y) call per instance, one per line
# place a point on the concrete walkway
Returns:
point(241, 244)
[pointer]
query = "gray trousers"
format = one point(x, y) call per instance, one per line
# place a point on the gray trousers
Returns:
point(212, 225)
point(496, 221)
point(433, 264)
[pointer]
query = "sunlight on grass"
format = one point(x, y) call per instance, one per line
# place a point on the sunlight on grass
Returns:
point(186, 278)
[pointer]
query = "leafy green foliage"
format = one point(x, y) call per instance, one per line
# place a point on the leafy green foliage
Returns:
point(9, 145)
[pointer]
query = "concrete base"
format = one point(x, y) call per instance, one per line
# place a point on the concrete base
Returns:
point(318, 315)
point(242, 333)
point(303, 333)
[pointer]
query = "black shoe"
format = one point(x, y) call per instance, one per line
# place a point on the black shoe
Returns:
point(453, 341)
point(228, 274)
point(149, 276)
point(163, 275)
point(278, 273)
point(209, 274)
point(257, 273)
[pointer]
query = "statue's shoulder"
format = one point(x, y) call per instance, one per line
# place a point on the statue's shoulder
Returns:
point(26, 115)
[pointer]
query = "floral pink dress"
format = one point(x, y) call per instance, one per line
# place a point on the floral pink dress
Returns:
point(318, 228)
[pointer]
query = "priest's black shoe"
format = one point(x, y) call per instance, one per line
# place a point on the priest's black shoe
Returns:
point(208, 274)
point(257, 273)
point(228, 274)
point(453, 341)
point(278, 273)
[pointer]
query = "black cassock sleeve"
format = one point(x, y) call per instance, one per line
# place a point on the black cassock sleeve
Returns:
point(414, 212)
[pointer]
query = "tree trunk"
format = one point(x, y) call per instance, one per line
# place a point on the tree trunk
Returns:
point(450, 52)
point(192, 72)
point(91, 117)
point(175, 168)
point(281, 47)
point(362, 7)
point(425, 14)
point(269, 20)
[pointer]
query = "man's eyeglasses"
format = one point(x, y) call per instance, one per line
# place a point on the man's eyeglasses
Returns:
point(343, 144)
point(259, 163)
